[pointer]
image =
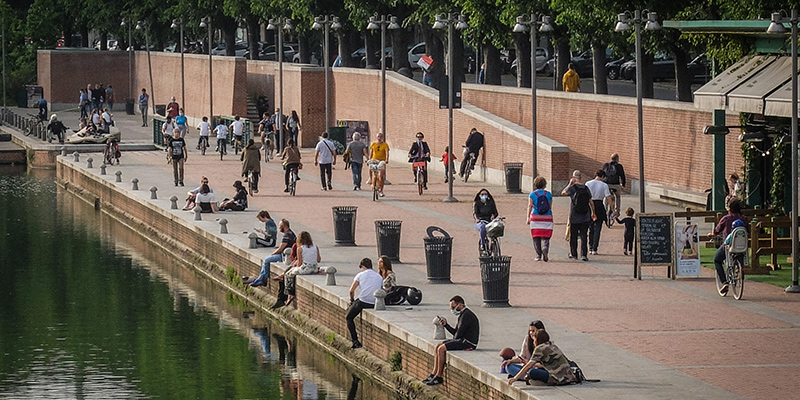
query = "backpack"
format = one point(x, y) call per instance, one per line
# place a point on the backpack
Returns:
point(578, 372)
point(610, 168)
point(581, 199)
point(542, 205)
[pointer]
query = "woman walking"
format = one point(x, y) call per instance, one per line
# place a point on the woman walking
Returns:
point(540, 218)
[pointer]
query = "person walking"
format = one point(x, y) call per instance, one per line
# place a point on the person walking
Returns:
point(294, 125)
point(571, 81)
point(447, 159)
point(325, 157)
point(110, 97)
point(358, 151)
point(368, 281)
point(144, 99)
point(581, 214)
point(177, 149)
point(540, 218)
point(180, 122)
point(600, 191)
point(251, 161)
point(83, 104)
point(172, 108)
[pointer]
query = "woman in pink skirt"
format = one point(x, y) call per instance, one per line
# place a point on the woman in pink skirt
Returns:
point(540, 217)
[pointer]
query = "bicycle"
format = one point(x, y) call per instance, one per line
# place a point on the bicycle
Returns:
point(419, 173)
point(251, 183)
point(494, 231)
point(611, 213)
point(203, 144)
point(111, 152)
point(735, 262)
point(222, 147)
point(470, 160)
point(36, 120)
point(237, 144)
point(377, 181)
point(293, 178)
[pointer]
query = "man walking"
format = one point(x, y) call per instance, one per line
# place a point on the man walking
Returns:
point(325, 157)
point(465, 337)
point(581, 214)
point(369, 281)
point(144, 99)
point(571, 81)
point(599, 190)
point(615, 179)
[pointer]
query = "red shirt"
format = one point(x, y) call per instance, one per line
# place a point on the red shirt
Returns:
point(445, 158)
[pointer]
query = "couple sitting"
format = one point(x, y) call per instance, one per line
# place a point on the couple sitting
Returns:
point(540, 360)
point(203, 196)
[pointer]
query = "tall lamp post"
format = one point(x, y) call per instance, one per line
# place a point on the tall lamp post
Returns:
point(777, 27)
point(327, 23)
point(126, 22)
point(375, 23)
point(280, 24)
point(178, 23)
point(651, 25)
point(451, 21)
point(205, 22)
point(534, 24)
point(142, 25)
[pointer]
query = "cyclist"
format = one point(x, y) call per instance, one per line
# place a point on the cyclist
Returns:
point(205, 129)
point(265, 127)
point(615, 179)
point(291, 155)
point(222, 137)
point(379, 151)
point(251, 161)
point(724, 227)
point(42, 105)
point(484, 211)
point(237, 127)
point(420, 152)
point(472, 146)
point(56, 128)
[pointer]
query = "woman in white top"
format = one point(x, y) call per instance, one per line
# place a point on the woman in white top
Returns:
point(206, 199)
point(307, 263)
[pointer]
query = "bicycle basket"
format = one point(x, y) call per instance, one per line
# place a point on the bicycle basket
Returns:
point(495, 229)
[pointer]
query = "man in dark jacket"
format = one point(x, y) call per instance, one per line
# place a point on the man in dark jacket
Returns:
point(420, 152)
point(615, 179)
point(473, 146)
point(465, 337)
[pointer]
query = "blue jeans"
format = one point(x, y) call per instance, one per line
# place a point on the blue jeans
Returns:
point(262, 277)
point(719, 258)
point(538, 374)
point(356, 167)
point(514, 368)
point(481, 227)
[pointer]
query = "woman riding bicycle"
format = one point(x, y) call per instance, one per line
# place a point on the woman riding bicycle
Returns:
point(291, 155)
point(724, 227)
point(251, 161)
point(484, 211)
point(420, 152)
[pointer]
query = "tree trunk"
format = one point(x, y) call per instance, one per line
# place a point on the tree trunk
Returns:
point(494, 70)
point(351, 41)
point(401, 39)
point(84, 36)
point(458, 57)
point(434, 46)
point(563, 58)
point(372, 42)
point(683, 80)
point(522, 45)
point(253, 34)
point(647, 76)
point(599, 68)
point(305, 47)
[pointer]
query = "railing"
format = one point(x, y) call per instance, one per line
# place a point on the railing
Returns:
point(24, 123)
point(158, 137)
point(228, 120)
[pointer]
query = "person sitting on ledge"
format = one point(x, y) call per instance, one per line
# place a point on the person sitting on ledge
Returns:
point(465, 337)
point(206, 199)
point(270, 230)
point(239, 200)
point(192, 194)
point(548, 363)
point(512, 363)
point(289, 238)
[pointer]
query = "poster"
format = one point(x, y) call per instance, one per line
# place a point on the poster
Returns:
point(687, 248)
point(362, 127)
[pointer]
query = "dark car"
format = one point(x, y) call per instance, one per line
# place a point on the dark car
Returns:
point(613, 68)
point(664, 68)
point(268, 53)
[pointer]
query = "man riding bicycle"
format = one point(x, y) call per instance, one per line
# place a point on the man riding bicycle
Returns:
point(379, 151)
point(420, 152)
point(472, 146)
point(724, 227)
point(615, 179)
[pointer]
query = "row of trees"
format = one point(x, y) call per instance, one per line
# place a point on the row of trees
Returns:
point(579, 24)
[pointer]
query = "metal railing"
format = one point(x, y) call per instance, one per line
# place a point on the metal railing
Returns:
point(25, 124)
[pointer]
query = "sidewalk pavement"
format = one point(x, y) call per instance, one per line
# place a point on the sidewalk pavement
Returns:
point(655, 338)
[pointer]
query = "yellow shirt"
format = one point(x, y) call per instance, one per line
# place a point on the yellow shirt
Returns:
point(571, 81)
point(379, 151)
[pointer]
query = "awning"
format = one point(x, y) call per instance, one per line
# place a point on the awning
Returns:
point(757, 84)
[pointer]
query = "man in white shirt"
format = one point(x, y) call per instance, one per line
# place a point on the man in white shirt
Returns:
point(237, 127)
point(168, 127)
point(600, 191)
point(369, 281)
point(325, 157)
point(205, 129)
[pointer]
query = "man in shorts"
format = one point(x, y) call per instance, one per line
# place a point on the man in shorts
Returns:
point(379, 151)
point(465, 337)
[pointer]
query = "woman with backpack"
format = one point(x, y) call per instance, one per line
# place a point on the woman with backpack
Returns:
point(540, 218)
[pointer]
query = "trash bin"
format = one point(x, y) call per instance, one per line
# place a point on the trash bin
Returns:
point(161, 109)
point(438, 255)
point(494, 277)
point(129, 107)
point(388, 236)
point(513, 177)
point(344, 225)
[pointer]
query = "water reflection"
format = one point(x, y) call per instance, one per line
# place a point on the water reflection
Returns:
point(90, 310)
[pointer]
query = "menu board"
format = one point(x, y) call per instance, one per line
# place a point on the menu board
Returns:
point(656, 238)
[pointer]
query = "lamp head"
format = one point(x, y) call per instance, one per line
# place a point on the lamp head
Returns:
point(439, 24)
point(393, 22)
point(373, 23)
point(716, 130)
point(205, 22)
point(622, 23)
point(140, 25)
point(652, 22)
point(336, 24)
point(176, 23)
point(271, 25)
point(546, 27)
point(124, 22)
point(461, 24)
point(776, 26)
point(317, 23)
point(520, 26)
point(288, 25)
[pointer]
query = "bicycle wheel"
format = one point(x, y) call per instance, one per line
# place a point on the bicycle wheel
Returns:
point(293, 183)
point(737, 278)
point(494, 247)
point(419, 180)
point(251, 184)
point(203, 146)
point(467, 171)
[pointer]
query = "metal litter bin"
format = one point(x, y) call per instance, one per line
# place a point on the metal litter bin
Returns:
point(494, 279)
point(344, 225)
point(388, 237)
point(129, 107)
point(513, 177)
point(438, 255)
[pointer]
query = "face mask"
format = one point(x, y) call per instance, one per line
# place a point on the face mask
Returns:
point(484, 198)
point(455, 312)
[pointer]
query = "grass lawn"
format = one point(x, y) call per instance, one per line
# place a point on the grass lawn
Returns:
point(781, 278)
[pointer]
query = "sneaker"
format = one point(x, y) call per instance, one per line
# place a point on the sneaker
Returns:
point(584, 258)
point(286, 190)
point(625, 252)
point(381, 193)
point(592, 252)
point(544, 257)
point(429, 378)
point(356, 345)
point(724, 289)
point(425, 187)
point(181, 183)
point(330, 187)
point(324, 189)
point(437, 380)
point(538, 258)
point(445, 180)
point(355, 188)
point(572, 256)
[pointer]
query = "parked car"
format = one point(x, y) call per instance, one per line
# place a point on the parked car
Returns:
point(613, 68)
point(219, 50)
point(268, 53)
point(542, 58)
point(664, 68)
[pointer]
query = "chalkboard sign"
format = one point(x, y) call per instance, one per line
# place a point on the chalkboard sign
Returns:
point(655, 242)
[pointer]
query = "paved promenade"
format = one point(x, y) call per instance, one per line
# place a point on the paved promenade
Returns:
point(650, 339)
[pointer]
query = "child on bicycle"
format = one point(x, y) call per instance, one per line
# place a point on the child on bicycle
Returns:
point(447, 163)
point(222, 137)
point(630, 228)
point(724, 227)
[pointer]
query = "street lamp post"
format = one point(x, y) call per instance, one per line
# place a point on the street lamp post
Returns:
point(452, 21)
point(534, 23)
point(126, 22)
point(178, 22)
point(327, 23)
point(375, 23)
point(280, 24)
point(142, 25)
point(205, 22)
point(4, 63)
point(651, 25)
point(776, 26)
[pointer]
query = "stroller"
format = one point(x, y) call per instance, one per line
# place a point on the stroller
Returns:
point(111, 152)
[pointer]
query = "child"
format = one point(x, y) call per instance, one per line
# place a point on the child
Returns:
point(447, 162)
point(630, 227)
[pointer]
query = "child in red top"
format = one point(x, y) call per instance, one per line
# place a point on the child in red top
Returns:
point(447, 162)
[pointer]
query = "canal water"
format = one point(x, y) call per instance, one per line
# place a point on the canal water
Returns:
point(88, 309)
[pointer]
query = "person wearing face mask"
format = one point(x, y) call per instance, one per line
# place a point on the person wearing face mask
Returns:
point(484, 211)
point(420, 152)
point(180, 121)
point(465, 337)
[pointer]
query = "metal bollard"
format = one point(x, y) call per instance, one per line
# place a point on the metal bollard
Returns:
point(438, 331)
point(223, 225)
point(153, 191)
point(197, 210)
point(89, 162)
point(134, 183)
point(119, 176)
point(286, 254)
point(102, 169)
point(253, 243)
point(76, 156)
point(331, 275)
point(63, 152)
point(174, 203)
point(380, 300)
